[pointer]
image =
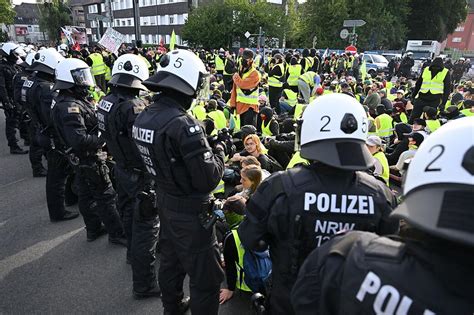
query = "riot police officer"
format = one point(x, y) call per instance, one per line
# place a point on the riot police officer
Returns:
point(116, 114)
point(76, 125)
point(300, 209)
point(38, 93)
point(7, 72)
point(175, 151)
point(428, 269)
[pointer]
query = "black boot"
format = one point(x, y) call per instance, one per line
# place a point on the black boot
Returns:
point(182, 307)
point(93, 235)
point(153, 292)
point(17, 150)
point(67, 215)
point(40, 172)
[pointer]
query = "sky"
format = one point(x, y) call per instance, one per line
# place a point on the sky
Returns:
point(16, 2)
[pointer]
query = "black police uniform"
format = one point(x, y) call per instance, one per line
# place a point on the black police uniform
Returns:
point(298, 210)
point(76, 125)
point(37, 95)
point(116, 114)
point(23, 118)
point(175, 151)
point(363, 273)
point(7, 72)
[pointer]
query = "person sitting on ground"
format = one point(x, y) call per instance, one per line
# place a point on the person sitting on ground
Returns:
point(234, 208)
point(400, 144)
point(253, 147)
point(414, 141)
point(381, 168)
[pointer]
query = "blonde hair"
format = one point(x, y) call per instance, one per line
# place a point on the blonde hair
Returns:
point(255, 139)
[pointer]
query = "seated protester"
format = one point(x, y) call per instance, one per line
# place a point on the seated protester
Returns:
point(346, 89)
point(217, 95)
point(234, 210)
point(384, 122)
point(453, 113)
point(252, 160)
point(414, 141)
point(468, 108)
point(400, 144)
point(269, 126)
point(419, 125)
point(432, 123)
point(288, 100)
point(216, 115)
point(384, 100)
point(374, 144)
point(253, 147)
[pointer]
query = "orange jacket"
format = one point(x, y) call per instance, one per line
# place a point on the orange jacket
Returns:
point(248, 83)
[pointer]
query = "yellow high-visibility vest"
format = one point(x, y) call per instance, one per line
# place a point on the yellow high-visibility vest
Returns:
point(275, 80)
point(296, 159)
point(433, 85)
point(219, 63)
point(219, 119)
point(252, 98)
point(432, 125)
point(386, 128)
point(294, 72)
point(292, 97)
point(240, 265)
point(98, 64)
point(380, 156)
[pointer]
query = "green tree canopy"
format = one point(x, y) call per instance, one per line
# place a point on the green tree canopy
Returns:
point(7, 14)
point(218, 23)
point(53, 16)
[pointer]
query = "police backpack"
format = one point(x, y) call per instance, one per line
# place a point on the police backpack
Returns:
point(257, 268)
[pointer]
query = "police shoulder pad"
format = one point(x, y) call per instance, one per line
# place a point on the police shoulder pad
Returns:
point(74, 110)
point(193, 129)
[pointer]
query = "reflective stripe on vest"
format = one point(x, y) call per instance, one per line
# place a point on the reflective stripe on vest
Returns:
point(296, 159)
point(236, 119)
point(432, 125)
point(386, 128)
point(251, 99)
point(220, 189)
point(308, 77)
point(98, 65)
point(380, 156)
point(308, 64)
point(219, 119)
point(433, 85)
point(266, 129)
point(219, 63)
point(291, 97)
point(274, 80)
point(294, 72)
point(240, 265)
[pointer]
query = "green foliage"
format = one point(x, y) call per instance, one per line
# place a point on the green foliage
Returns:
point(7, 14)
point(53, 16)
point(219, 23)
point(435, 19)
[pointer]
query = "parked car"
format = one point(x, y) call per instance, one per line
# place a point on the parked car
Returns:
point(375, 63)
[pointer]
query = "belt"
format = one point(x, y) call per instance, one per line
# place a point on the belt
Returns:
point(182, 204)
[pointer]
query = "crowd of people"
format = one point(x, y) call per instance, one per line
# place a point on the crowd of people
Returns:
point(279, 172)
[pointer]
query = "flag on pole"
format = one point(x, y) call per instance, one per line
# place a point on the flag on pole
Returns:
point(326, 52)
point(172, 40)
point(68, 35)
point(363, 70)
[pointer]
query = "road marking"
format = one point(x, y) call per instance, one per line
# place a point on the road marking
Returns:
point(12, 183)
point(32, 253)
point(3, 223)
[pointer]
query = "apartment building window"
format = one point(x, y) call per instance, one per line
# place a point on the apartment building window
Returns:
point(171, 20)
point(102, 7)
point(123, 22)
point(457, 39)
point(129, 22)
point(143, 38)
point(93, 24)
point(92, 8)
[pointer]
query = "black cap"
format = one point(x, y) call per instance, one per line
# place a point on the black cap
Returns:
point(247, 54)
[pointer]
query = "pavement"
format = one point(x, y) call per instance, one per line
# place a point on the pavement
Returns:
point(49, 268)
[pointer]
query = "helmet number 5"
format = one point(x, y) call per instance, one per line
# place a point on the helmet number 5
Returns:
point(178, 62)
point(429, 166)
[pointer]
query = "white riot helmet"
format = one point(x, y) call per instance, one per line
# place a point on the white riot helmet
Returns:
point(46, 61)
point(20, 52)
point(439, 184)
point(182, 71)
point(8, 48)
point(334, 132)
point(63, 47)
point(129, 71)
point(30, 58)
point(73, 72)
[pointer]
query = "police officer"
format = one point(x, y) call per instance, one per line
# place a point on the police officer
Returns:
point(426, 271)
point(300, 209)
point(76, 125)
point(116, 114)
point(175, 151)
point(38, 93)
point(7, 72)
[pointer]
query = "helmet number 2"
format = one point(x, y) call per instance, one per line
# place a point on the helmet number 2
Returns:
point(178, 62)
point(328, 120)
point(429, 167)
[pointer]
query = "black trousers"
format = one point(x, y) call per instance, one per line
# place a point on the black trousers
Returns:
point(280, 297)
point(228, 82)
point(36, 148)
point(418, 105)
point(274, 94)
point(100, 82)
point(187, 248)
point(11, 125)
point(248, 118)
point(97, 198)
point(58, 184)
point(141, 230)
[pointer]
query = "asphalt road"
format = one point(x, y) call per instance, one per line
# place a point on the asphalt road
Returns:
point(49, 268)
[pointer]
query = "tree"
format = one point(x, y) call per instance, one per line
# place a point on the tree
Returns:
point(219, 23)
point(53, 16)
point(435, 19)
point(7, 14)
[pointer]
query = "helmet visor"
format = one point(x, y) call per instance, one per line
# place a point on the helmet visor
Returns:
point(83, 77)
point(203, 90)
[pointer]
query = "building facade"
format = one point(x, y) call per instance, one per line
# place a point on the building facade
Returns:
point(26, 25)
point(463, 36)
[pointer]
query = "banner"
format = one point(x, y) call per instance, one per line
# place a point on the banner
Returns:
point(172, 40)
point(112, 40)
